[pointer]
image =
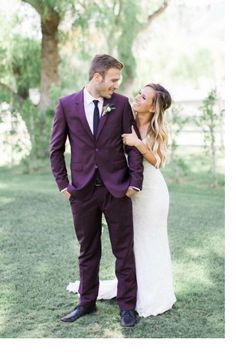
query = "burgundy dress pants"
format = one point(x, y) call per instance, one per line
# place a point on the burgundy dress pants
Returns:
point(87, 215)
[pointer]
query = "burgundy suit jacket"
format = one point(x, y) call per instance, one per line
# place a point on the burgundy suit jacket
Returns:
point(105, 151)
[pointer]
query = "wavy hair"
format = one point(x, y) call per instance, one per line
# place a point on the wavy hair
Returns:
point(157, 135)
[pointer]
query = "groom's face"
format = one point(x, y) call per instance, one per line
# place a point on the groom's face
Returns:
point(109, 83)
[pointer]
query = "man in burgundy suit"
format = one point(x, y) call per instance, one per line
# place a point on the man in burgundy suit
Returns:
point(102, 181)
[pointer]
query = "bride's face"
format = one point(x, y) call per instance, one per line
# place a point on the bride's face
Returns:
point(144, 101)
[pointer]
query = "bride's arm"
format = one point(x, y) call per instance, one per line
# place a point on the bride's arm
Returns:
point(133, 140)
point(147, 153)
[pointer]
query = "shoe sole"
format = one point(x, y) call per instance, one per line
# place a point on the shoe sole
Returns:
point(76, 318)
point(128, 326)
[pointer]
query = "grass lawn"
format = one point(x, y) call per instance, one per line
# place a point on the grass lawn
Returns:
point(39, 254)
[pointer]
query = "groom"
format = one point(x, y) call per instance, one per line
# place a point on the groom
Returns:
point(102, 181)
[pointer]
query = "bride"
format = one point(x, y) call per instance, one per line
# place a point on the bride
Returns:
point(150, 208)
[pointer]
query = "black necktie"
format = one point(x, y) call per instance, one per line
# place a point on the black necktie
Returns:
point(95, 117)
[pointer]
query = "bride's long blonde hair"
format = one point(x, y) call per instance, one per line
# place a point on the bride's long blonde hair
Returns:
point(157, 135)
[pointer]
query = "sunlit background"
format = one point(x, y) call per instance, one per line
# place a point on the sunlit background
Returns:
point(177, 43)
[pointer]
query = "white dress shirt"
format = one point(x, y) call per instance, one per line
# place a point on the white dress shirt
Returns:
point(89, 107)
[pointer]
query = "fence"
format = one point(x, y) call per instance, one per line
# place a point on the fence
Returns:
point(15, 141)
point(191, 137)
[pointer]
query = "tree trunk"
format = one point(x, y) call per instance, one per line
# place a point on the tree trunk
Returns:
point(50, 20)
point(49, 57)
point(49, 75)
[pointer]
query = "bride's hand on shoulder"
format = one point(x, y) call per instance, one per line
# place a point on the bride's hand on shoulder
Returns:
point(131, 139)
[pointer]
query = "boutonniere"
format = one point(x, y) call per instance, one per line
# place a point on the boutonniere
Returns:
point(108, 108)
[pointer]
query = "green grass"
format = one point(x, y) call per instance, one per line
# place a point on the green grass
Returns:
point(39, 257)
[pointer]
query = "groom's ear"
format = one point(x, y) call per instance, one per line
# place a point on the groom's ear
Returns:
point(97, 77)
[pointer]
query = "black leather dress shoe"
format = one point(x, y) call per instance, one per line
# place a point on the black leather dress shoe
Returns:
point(78, 312)
point(128, 318)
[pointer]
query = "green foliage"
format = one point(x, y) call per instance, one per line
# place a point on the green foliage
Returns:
point(19, 72)
point(15, 145)
point(6, 38)
point(129, 29)
point(25, 63)
point(116, 21)
point(112, 26)
point(43, 6)
point(210, 117)
point(19, 60)
point(176, 123)
point(38, 123)
point(210, 120)
point(195, 65)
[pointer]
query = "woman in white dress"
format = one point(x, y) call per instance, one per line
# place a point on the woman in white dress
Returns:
point(150, 208)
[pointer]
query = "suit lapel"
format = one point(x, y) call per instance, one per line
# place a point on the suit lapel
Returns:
point(104, 117)
point(81, 112)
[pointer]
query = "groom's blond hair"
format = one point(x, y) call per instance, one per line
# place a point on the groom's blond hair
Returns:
point(101, 63)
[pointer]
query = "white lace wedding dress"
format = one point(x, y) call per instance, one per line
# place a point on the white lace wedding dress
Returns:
point(151, 248)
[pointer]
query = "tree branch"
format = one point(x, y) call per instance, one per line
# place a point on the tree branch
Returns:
point(158, 12)
point(37, 5)
point(155, 14)
point(48, 15)
point(6, 89)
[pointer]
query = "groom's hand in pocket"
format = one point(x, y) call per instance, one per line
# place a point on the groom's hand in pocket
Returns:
point(130, 192)
point(66, 194)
